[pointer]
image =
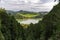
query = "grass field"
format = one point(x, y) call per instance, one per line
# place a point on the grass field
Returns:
point(29, 15)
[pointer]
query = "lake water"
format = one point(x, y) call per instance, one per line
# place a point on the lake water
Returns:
point(28, 21)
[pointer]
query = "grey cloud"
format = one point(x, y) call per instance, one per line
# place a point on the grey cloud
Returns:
point(44, 5)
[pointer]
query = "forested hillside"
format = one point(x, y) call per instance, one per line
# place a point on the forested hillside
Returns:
point(10, 28)
point(52, 23)
point(47, 29)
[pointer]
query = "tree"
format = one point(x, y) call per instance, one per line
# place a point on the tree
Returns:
point(11, 29)
point(51, 21)
point(34, 32)
point(1, 35)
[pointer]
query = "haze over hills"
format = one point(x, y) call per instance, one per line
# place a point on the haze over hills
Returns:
point(12, 12)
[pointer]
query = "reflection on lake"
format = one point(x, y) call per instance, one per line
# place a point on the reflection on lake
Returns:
point(28, 21)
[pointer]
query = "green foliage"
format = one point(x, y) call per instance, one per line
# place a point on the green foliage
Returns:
point(10, 28)
point(34, 32)
point(52, 21)
point(1, 36)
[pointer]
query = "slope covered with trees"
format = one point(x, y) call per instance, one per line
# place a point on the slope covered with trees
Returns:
point(10, 28)
point(52, 22)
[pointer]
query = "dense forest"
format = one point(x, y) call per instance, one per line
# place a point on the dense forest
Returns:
point(47, 29)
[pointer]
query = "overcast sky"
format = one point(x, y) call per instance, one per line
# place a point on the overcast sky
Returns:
point(28, 5)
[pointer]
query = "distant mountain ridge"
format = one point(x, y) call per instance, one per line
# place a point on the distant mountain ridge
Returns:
point(20, 11)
